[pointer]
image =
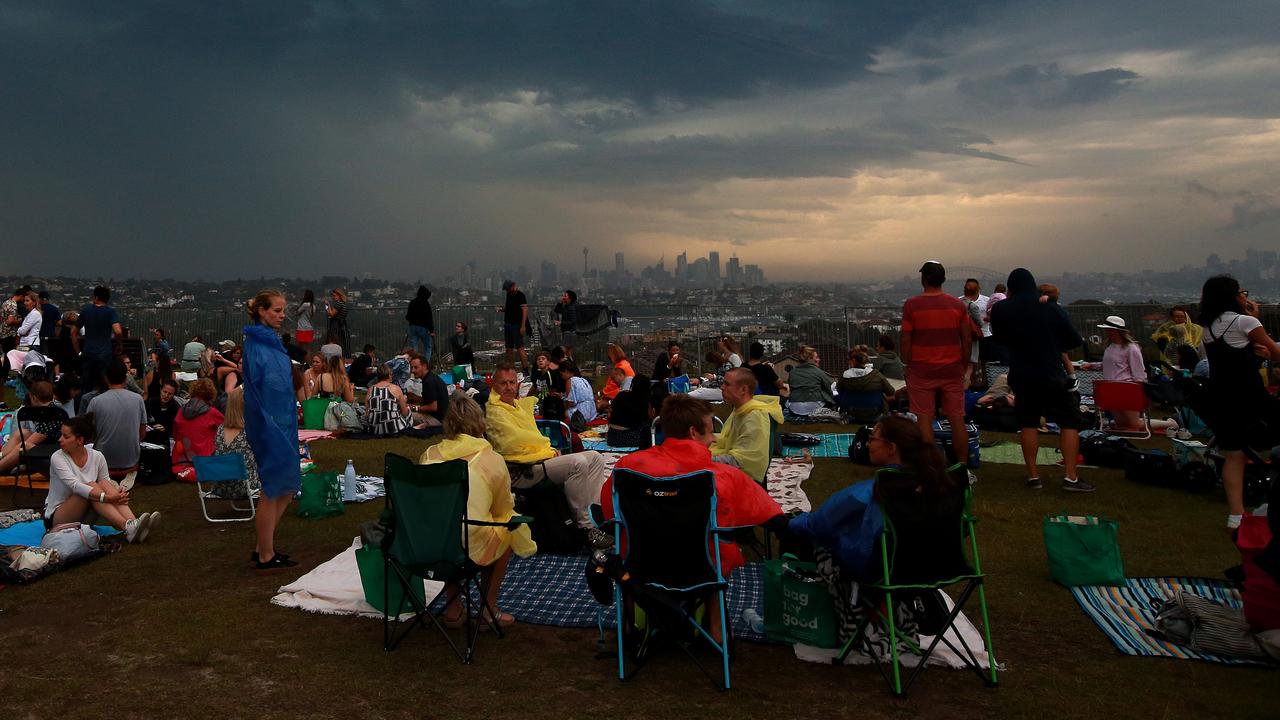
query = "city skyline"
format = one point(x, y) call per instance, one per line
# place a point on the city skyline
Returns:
point(824, 140)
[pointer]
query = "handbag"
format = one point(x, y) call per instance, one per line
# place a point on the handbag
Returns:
point(314, 412)
point(343, 416)
point(1083, 550)
point(71, 541)
point(797, 605)
point(321, 495)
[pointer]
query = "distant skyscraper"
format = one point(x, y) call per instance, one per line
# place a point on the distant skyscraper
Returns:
point(713, 269)
point(619, 264)
point(584, 261)
point(754, 276)
point(733, 272)
point(682, 266)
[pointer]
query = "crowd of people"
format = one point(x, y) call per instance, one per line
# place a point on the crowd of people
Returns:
point(245, 398)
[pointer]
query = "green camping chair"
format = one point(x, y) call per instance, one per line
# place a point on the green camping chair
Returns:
point(426, 538)
point(922, 550)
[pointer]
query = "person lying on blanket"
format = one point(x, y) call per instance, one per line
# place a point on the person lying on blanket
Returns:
point(740, 500)
point(489, 499)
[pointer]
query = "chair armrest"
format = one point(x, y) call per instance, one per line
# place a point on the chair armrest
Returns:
point(732, 529)
point(512, 524)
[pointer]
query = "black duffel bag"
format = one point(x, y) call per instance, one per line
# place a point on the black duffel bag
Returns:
point(1099, 450)
point(1150, 467)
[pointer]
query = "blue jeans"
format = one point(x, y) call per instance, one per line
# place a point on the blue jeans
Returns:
point(420, 340)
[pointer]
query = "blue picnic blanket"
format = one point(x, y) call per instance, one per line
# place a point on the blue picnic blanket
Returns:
point(29, 533)
point(552, 590)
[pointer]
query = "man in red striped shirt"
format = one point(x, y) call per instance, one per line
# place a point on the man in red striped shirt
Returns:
point(937, 336)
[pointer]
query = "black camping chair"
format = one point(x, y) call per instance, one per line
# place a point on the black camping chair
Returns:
point(922, 551)
point(425, 538)
point(671, 563)
point(36, 459)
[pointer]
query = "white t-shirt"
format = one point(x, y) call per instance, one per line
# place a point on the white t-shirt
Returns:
point(1232, 327)
point(735, 359)
point(981, 301)
point(67, 479)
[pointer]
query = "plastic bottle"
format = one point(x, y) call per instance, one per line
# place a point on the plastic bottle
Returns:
point(349, 483)
point(753, 620)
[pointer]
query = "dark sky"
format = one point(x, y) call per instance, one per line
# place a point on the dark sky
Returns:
point(820, 139)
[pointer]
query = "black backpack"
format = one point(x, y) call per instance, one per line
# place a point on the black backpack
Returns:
point(1102, 451)
point(155, 466)
point(1150, 467)
point(859, 449)
point(554, 528)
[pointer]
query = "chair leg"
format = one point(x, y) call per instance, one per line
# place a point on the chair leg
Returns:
point(893, 645)
point(986, 631)
point(724, 640)
point(618, 604)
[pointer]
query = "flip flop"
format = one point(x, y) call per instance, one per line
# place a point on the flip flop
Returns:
point(505, 620)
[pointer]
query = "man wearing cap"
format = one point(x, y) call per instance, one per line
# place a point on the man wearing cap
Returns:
point(515, 320)
point(1036, 334)
point(937, 337)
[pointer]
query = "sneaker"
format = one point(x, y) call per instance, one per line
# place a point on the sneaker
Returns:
point(148, 521)
point(131, 529)
point(276, 564)
point(973, 478)
point(1233, 522)
point(1034, 483)
point(598, 539)
point(127, 483)
point(1076, 485)
point(253, 557)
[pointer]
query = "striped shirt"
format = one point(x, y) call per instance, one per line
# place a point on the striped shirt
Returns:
point(935, 322)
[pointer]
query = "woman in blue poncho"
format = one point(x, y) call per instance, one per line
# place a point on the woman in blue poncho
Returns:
point(271, 423)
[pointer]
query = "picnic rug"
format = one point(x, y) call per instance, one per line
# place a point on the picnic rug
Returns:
point(541, 590)
point(832, 445)
point(1124, 613)
point(1010, 453)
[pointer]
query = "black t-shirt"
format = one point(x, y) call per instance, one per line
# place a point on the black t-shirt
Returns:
point(295, 352)
point(97, 321)
point(357, 372)
point(511, 313)
point(766, 378)
point(434, 389)
point(630, 409)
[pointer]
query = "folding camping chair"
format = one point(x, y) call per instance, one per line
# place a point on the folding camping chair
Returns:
point(558, 432)
point(426, 538)
point(922, 550)
point(1109, 395)
point(863, 406)
point(225, 469)
point(33, 460)
point(672, 563)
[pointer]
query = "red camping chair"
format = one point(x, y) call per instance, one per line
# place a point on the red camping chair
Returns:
point(1112, 396)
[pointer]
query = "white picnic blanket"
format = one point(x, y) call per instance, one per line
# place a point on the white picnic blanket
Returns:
point(333, 588)
point(784, 482)
point(942, 655)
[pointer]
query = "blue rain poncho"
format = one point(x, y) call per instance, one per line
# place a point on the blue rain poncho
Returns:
point(271, 412)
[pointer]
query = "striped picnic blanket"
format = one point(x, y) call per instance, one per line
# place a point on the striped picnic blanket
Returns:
point(832, 445)
point(552, 590)
point(1124, 613)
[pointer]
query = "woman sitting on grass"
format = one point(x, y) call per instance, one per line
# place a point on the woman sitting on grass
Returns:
point(81, 491)
point(387, 410)
point(489, 499)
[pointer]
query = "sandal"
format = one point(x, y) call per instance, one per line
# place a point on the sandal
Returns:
point(504, 620)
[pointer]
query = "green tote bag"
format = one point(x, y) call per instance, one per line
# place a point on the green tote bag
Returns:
point(797, 605)
point(1083, 550)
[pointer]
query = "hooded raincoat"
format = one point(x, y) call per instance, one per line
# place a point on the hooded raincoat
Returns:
point(489, 498)
point(271, 412)
point(746, 434)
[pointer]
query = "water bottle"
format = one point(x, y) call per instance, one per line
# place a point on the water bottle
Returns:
point(753, 620)
point(349, 483)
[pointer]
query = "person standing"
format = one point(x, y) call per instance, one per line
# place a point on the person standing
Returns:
point(937, 338)
point(1036, 335)
point(10, 316)
point(304, 316)
point(51, 315)
point(567, 313)
point(422, 326)
point(101, 326)
point(515, 322)
point(1236, 344)
point(336, 309)
point(271, 422)
point(981, 351)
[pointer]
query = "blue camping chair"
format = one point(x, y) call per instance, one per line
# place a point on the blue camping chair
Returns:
point(672, 565)
point(558, 432)
point(220, 469)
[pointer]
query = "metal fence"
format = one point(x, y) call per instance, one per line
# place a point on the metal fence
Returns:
point(641, 329)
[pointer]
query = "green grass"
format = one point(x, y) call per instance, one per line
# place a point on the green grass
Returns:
point(181, 626)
